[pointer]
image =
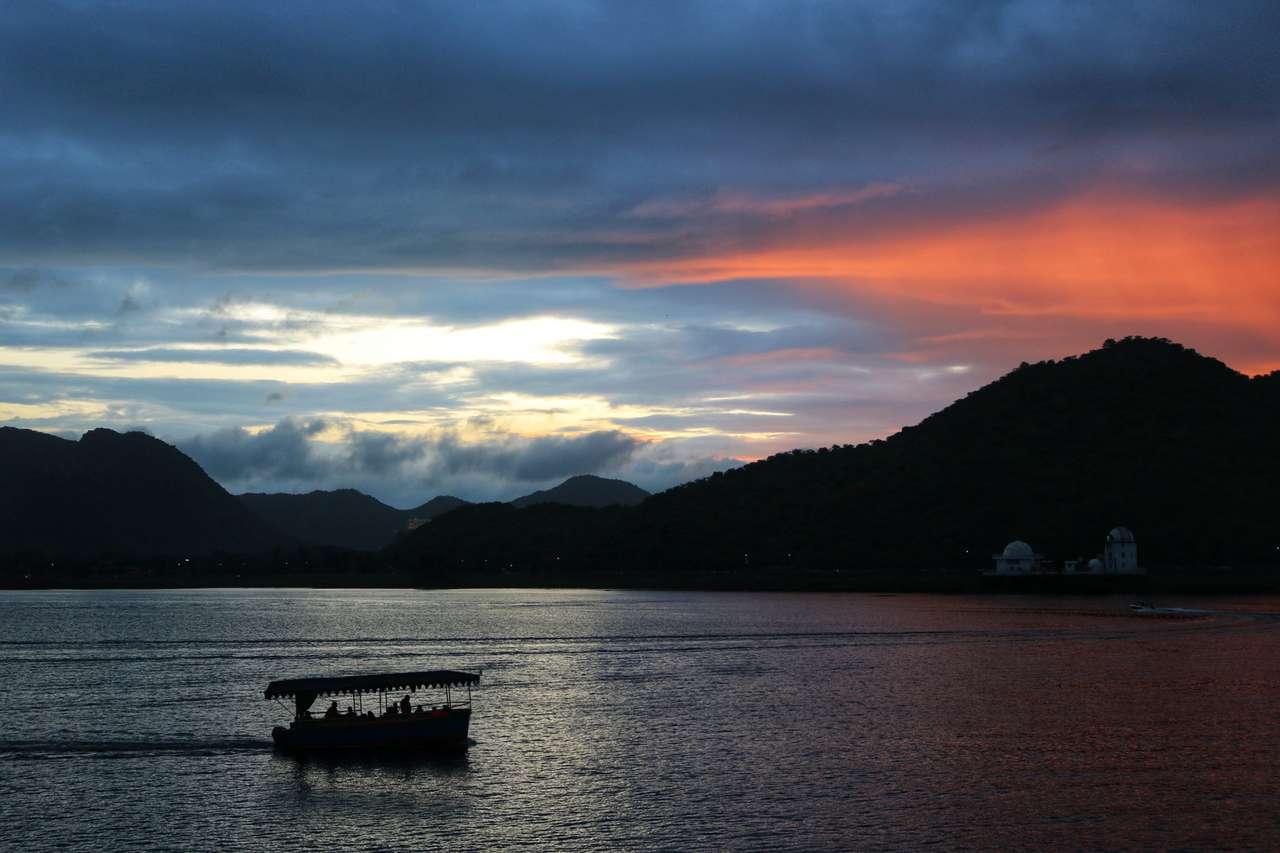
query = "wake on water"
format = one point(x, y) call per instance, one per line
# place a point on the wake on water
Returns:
point(41, 749)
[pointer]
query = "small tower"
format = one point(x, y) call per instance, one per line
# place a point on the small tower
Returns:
point(1120, 556)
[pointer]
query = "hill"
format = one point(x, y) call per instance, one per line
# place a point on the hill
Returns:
point(495, 539)
point(587, 490)
point(344, 518)
point(438, 505)
point(1142, 432)
point(116, 494)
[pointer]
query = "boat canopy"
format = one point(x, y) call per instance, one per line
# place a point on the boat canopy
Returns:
point(351, 684)
point(305, 690)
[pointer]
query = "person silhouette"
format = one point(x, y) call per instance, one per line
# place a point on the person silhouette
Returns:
point(332, 712)
point(404, 705)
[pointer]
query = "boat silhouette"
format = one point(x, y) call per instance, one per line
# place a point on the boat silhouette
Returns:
point(386, 724)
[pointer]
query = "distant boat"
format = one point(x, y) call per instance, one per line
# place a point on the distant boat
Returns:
point(411, 723)
point(1144, 608)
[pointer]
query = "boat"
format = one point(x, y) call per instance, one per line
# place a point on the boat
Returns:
point(1145, 608)
point(374, 719)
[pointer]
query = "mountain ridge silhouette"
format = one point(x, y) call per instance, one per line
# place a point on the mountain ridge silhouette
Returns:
point(586, 490)
point(110, 493)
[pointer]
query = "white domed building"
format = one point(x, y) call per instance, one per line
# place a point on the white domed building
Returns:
point(1120, 554)
point(1017, 559)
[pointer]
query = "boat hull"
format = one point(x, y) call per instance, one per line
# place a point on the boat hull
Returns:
point(435, 731)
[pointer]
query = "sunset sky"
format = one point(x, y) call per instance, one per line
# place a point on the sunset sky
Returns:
point(475, 248)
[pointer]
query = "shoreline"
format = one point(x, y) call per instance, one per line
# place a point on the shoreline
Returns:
point(888, 584)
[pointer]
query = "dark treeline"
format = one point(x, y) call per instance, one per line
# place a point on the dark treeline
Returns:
point(1142, 433)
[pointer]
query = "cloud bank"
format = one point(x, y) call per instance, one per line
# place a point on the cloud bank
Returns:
point(293, 454)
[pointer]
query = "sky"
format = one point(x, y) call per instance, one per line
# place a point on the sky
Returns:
point(476, 248)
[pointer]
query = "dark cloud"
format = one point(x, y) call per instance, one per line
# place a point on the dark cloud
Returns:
point(549, 457)
point(129, 304)
point(532, 460)
point(399, 74)
point(292, 454)
point(282, 452)
point(199, 399)
point(179, 402)
point(27, 280)
point(526, 137)
point(382, 453)
point(222, 355)
point(662, 469)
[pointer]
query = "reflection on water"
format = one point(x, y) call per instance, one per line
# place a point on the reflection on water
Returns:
point(382, 768)
point(347, 790)
point(636, 720)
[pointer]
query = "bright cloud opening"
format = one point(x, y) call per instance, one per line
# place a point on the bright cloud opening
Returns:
point(536, 340)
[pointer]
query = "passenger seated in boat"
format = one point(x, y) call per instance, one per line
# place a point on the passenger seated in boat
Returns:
point(371, 715)
point(404, 705)
point(332, 712)
point(418, 710)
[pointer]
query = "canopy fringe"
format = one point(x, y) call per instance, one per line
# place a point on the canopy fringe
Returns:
point(353, 684)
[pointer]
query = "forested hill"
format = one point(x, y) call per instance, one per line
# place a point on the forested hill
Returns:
point(587, 490)
point(346, 518)
point(1142, 432)
point(117, 494)
point(343, 518)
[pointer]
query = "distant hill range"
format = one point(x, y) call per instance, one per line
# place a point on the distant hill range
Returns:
point(350, 519)
point(344, 518)
point(130, 495)
point(114, 494)
point(1142, 432)
point(588, 491)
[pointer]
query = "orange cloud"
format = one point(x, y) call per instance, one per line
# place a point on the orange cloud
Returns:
point(1101, 256)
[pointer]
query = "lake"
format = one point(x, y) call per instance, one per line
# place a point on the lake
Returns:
point(648, 720)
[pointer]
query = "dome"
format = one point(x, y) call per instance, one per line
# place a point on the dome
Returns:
point(1095, 565)
point(1120, 534)
point(1017, 550)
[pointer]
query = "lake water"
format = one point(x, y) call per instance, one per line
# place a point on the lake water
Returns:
point(648, 720)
